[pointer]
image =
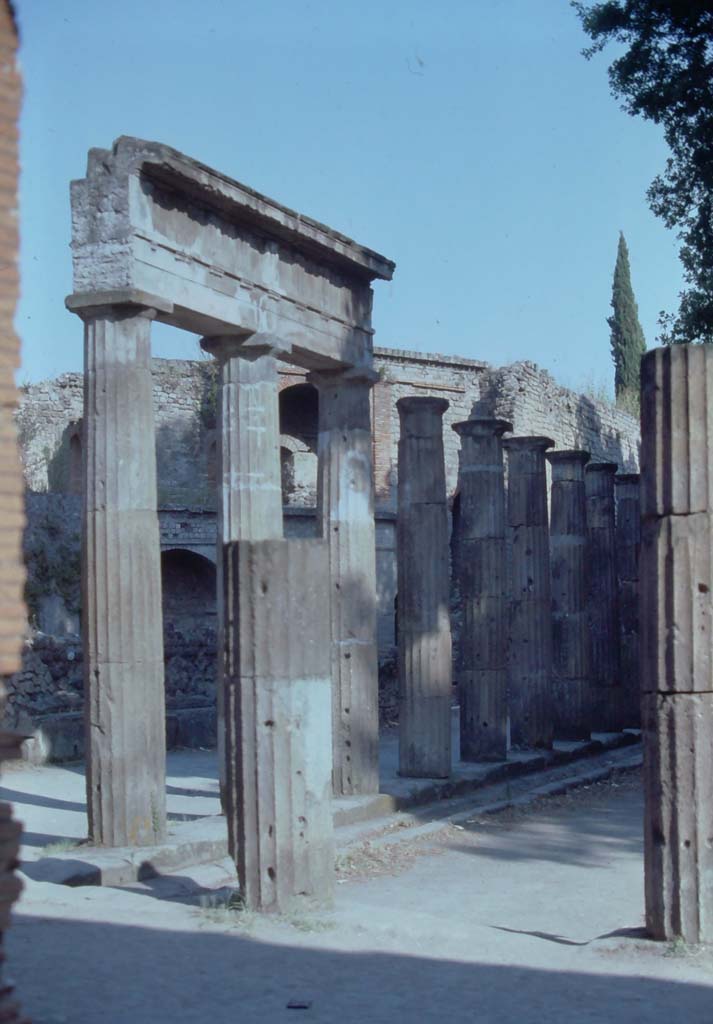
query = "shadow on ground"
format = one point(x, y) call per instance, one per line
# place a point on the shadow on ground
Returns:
point(86, 972)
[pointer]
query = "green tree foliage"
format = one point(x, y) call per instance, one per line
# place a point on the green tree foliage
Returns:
point(627, 337)
point(666, 76)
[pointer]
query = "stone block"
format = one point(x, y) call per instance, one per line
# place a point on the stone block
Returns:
point(676, 432)
point(676, 604)
point(278, 721)
point(678, 824)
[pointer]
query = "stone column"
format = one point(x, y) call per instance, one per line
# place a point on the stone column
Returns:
point(482, 571)
point(676, 621)
point(122, 628)
point(628, 543)
point(530, 648)
point(571, 684)
point(603, 610)
point(424, 632)
point(278, 716)
point(249, 498)
point(345, 512)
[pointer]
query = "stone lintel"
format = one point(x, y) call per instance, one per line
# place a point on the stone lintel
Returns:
point(89, 304)
point(176, 170)
point(482, 427)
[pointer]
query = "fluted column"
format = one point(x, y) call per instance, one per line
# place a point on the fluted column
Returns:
point(603, 605)
point(249, 499)
point(571, 683)
point(345, 496)
point(530, 647)
point(628, 543)
point(424, 632)
point(278, 716)
point(676, 622)
point(482, 571)
point(122, 630)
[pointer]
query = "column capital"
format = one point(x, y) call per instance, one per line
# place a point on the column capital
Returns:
point(602, 467)
point(367, 376)
point(117, 302)
point(628, 479)
point(482, 427)
point(570, 456)
point(529, 443)
point(245, 346)
point(421, 415)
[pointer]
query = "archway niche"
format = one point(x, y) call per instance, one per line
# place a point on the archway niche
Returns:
point(189, 591)
point(299, 430)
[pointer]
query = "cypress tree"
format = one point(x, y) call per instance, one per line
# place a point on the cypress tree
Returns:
point(627, 337)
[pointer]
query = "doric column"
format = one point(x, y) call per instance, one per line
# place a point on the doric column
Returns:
point(278, 717)
point(628, 543)
point(571, 684)
point(676, 622)
point(345, 496)
point(530, 648)
point(122, 629)
point(482, 571)
point(603, 610)
point(424, 632)
point(249, 499)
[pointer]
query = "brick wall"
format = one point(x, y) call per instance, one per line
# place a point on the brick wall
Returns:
point(12, 612)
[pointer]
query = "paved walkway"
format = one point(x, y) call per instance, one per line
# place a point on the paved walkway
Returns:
point(530, 916)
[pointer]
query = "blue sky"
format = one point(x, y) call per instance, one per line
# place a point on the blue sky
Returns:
point(469, 141)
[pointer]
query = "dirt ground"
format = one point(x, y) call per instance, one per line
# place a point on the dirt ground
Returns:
point(528, 915)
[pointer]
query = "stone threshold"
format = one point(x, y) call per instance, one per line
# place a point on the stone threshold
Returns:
point(205, 840)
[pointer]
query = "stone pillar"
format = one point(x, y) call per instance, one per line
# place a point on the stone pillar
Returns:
point(571, 684)
point(424, 632)
point(676, 621)
point(628, 542)
point(482, 571)
point(122, 628)
point(345, 511)
point(278, 717)
point(603, 610)
point(530, 648)
point(249, 498)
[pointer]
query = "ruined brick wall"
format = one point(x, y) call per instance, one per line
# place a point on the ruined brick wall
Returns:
point(536, 404)
point(184, 402)
point(12, 619)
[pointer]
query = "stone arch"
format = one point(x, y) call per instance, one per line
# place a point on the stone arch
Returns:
point(189, 590)
point(299, 432)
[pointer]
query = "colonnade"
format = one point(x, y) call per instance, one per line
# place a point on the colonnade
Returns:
point(297, 678)
point(548, 591)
